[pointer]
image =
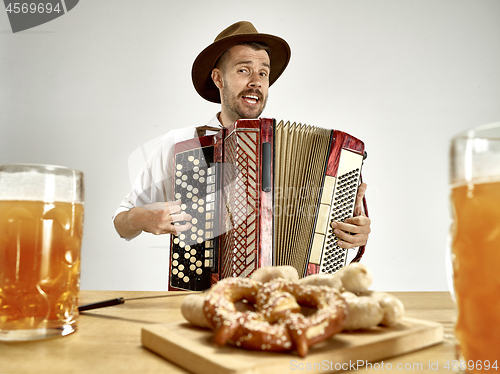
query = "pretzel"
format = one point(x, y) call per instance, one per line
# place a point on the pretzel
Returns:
point(268, 273)
point(277, 324)
point(220, 309)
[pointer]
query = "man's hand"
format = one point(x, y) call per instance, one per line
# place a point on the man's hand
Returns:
point(353, 232)
point(155, 218)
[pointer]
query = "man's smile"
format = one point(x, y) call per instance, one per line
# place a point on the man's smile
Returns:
point(251, 98)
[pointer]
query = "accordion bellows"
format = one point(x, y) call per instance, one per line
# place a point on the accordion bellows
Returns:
point(262, 193)
point(301, 153)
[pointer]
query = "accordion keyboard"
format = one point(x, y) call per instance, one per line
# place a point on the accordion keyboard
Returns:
point(193, 252)
point(344, 198)
point(337, 204)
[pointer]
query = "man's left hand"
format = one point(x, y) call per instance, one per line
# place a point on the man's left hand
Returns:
point(354, 231)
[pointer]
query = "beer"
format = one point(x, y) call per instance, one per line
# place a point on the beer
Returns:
point(39, 264)
point(476, 260)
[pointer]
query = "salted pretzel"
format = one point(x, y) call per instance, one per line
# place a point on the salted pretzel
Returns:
point(277, 323)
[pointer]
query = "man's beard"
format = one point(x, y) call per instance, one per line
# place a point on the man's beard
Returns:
point(233, 107)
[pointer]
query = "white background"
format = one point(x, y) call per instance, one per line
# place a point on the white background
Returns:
point(88, 88)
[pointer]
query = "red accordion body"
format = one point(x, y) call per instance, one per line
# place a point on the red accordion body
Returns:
point(262, 193)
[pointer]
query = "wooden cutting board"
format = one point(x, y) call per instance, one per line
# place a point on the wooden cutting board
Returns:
point(191, 348)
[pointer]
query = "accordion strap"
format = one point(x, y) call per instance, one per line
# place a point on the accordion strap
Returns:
point(361, 249)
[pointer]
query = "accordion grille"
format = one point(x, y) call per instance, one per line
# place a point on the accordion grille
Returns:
point(240, 241)
point(300, 159)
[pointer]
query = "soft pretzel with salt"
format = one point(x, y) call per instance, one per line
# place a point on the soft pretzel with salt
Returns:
point(269, 273)
point(277, 324)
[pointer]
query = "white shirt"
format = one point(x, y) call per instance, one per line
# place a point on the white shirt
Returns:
point(154, 182)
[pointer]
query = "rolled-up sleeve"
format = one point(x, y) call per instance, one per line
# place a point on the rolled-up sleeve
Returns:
point(154, 182)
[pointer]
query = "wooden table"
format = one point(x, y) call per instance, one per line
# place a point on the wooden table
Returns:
point(108, 340)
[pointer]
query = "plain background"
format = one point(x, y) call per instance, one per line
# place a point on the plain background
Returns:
point(90, 87)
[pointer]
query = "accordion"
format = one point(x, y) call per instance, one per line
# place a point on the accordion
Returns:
point(262, 193)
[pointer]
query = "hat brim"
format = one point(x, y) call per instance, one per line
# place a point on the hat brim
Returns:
point(205, 62)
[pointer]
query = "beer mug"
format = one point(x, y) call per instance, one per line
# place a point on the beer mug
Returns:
point(475, 246)
point(41, 226)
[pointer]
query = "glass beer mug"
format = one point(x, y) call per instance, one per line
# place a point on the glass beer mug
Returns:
point(475, 246)
point(41, 225)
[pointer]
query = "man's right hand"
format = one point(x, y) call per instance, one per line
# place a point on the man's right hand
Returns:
point(155, 218)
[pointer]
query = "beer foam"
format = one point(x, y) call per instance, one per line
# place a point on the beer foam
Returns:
point(63, 185)
point(475, 181)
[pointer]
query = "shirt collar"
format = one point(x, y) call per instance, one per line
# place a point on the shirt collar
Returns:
point(214, 122)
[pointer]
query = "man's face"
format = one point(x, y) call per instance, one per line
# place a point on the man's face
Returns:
point(245, 82)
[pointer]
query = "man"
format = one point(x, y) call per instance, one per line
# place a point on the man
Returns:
point(235, 71)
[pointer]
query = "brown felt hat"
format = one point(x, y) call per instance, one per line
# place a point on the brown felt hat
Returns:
point(238, 33)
